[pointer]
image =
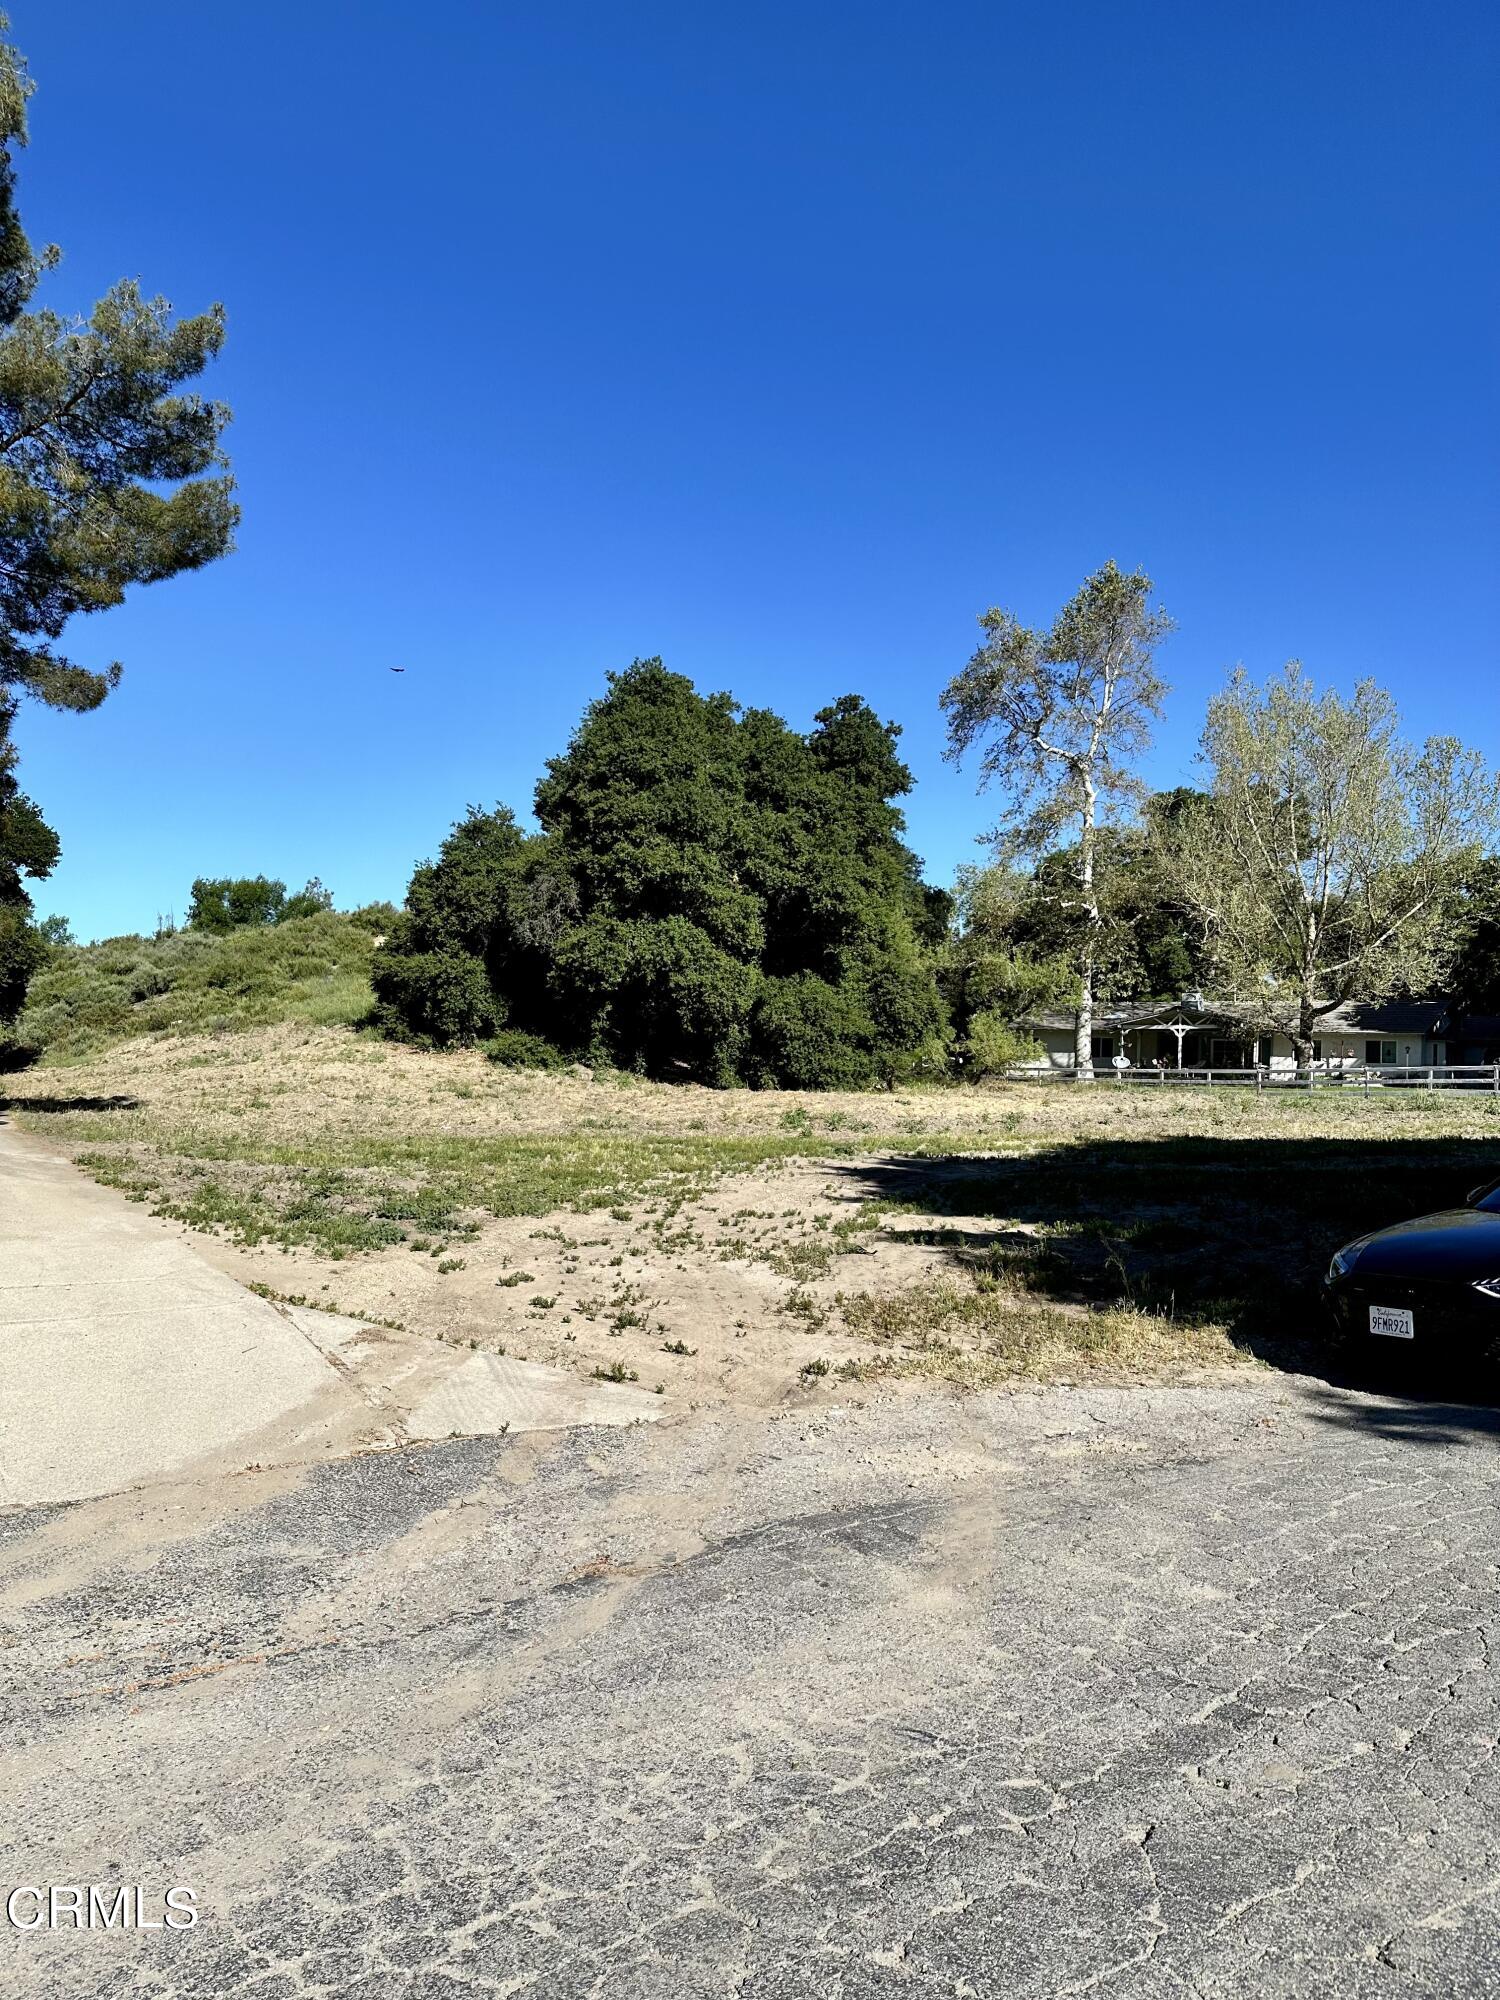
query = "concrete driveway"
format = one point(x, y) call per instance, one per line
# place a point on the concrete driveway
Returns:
point(129, 1359)
point(1133, 1693)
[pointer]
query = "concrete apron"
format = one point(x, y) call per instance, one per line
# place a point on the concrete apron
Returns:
point(128, 1359)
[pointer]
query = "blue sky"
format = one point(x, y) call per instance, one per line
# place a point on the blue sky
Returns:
point(778, 341)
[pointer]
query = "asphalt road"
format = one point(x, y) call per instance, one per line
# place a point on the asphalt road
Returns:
point(1128, 1692)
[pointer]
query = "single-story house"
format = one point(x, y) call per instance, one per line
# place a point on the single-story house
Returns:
point(1198, 1033)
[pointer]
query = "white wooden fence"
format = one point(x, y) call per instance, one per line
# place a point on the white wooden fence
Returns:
point(1322, 1076)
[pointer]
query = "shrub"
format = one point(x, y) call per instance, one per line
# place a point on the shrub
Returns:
point(991, 1046)
point(377, 918)
point(661, 997)
point(514, 1048)
point(436, 997)
point(905, 1012)
point(145, 981)
point(931, 1061)
point(309, 969)
point(808, 1035)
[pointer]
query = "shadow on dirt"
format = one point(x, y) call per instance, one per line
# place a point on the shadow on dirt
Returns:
point(1237, 1232)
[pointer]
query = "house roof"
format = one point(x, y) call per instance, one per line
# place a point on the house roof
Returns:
point(1385, 1017)
point(1150, 1014)
point(1105, 1018)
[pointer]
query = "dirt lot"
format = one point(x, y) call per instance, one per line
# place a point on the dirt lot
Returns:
point(750, 1246)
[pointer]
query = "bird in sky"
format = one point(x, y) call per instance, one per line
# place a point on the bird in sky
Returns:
point(398, 670)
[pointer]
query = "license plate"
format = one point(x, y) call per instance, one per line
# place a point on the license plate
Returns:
point(1395, 1322)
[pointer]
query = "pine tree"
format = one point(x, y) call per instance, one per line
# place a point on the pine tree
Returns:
point(110, 475)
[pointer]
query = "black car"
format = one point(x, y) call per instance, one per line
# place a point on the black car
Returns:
point(1435, 1280)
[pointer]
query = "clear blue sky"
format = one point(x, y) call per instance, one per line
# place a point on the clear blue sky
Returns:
point(775, 340)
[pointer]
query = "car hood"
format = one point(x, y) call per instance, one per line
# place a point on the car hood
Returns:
point(1454, 1243)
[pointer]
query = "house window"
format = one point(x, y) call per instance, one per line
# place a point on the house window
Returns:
point(1104, 1048)
point(1380, 1052)
point(1317, 1051)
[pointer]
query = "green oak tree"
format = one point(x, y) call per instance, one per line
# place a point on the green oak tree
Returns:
point(712, 896)
point(111, 474)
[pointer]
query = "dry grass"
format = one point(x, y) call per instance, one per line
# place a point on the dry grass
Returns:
point(284, 1078)
point(725, 1241)
point(979, 1337)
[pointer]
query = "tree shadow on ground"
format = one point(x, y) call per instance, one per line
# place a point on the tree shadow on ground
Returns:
point(1434, 1419)
point(1233, 1232)
point(46, 1104)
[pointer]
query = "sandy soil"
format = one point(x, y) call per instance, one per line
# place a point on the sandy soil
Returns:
point(729, 1295)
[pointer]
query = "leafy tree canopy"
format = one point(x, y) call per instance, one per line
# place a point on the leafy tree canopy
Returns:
point(229, 903)
point(309, 901)
point(1323, 863)
point(1149, 942)
point(1012, 953)
point(1062, 715)
point(1474, 927)
point(711, 895)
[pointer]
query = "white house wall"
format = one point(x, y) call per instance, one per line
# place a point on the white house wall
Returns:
point(1339, 1051)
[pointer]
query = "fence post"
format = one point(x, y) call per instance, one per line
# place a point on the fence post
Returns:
point(1431, 1081)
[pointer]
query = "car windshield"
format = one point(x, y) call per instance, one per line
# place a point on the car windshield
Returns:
point(1490, 1203)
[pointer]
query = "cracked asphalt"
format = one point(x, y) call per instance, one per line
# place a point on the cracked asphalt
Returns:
point(1137, 1692)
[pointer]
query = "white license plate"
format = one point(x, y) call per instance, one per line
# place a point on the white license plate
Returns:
point(1395, 1322)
